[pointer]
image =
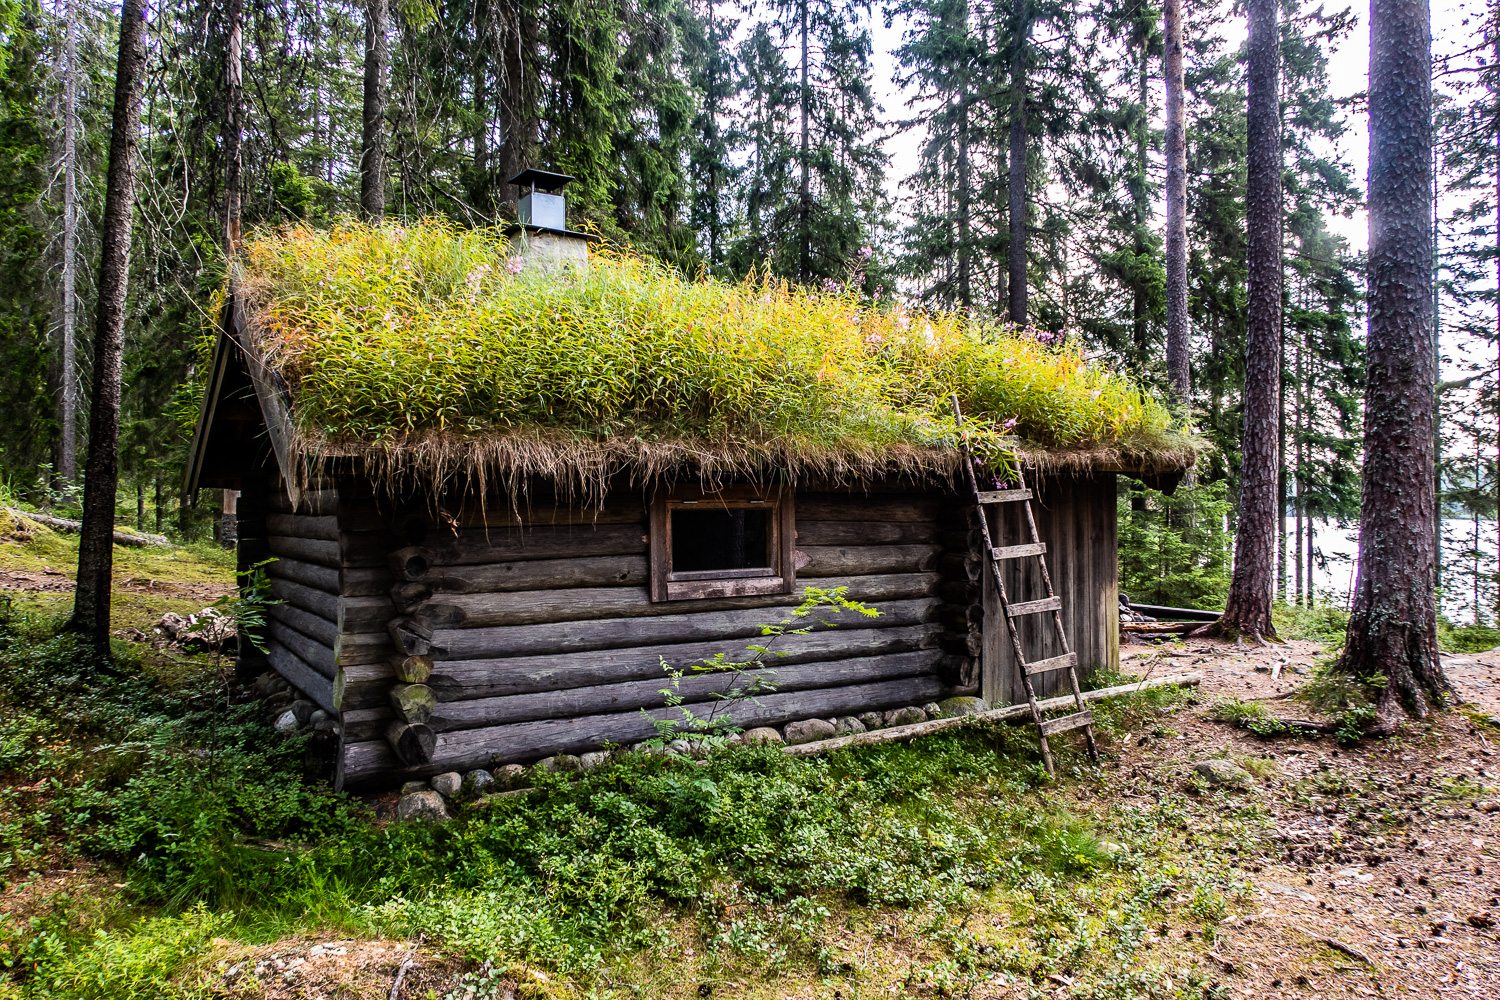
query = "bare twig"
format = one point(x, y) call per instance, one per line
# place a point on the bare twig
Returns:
point(405, 966)
point(1337, 945)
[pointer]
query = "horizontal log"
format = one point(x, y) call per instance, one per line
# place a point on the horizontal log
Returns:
point(362, 647)
point(311, 652)
point(308, 550)
point(631, 695)
point(309, 624)
point(365, 581)
point(618, 633)
point(324, 578)
point(301, 676)
point(1010, 713)
point(372, 762)
point(362, 724)
point(419, 526)
point(133, 539)
point(365, 548)
point(534, 607)
point(469, 547)
point(365, 614)
point(811, 532)
point(530, 574)
point(454, 680)
point(315, 502)
point(854, 507)
point(411, 743)
point(319, 602)
point(324, 528)
point(865, 560)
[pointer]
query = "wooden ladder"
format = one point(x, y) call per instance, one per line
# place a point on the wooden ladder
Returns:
point(1081, 718)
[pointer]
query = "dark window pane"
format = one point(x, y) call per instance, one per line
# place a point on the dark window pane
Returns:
point(715, 538)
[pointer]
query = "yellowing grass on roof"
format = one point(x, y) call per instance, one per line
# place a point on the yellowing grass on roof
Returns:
point(396, 333)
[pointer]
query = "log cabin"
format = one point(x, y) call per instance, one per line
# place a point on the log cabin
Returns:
point(453, 603)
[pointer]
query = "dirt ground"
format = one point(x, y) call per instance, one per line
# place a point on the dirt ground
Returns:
point(1377, 868)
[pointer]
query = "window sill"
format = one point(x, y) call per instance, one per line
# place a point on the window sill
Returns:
point(683, 590)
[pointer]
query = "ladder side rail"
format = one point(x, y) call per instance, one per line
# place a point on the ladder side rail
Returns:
point(1061, 633)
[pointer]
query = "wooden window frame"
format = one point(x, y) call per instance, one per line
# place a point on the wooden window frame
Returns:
point(779, 578)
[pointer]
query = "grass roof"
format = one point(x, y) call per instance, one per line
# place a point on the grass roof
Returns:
point(425, 350)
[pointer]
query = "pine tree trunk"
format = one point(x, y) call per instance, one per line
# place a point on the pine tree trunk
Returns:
point(1140, 307)
point(965, 297)
point(234, 105)
point(1248, 607)
point(1393, 623)
point(1019, 36)
point(1178, 377)
point(372, 149)
point(804, 203)
point(67, 461)
point(513, 96)
point(102, 469)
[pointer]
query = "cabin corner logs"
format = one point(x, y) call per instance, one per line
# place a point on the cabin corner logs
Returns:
point(513, 633)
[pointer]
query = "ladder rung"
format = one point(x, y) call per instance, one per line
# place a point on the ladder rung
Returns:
point(1036, 607)
point(1062, 662)
point(1075, 721)
point(1004, 496)
point(1020, 551)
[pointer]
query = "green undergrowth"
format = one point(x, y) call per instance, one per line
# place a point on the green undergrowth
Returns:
point(752, 866)
point(387, 330)
point(1472, 638)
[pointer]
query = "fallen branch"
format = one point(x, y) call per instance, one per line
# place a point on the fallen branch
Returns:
point(1010, 712)
point(1337, 945)
point(65, 524)
point(404, 967)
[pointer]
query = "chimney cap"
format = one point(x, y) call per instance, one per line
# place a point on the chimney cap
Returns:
point(540, 179)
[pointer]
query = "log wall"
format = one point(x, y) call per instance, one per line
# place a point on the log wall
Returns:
point(468, 637)
point(536, 633)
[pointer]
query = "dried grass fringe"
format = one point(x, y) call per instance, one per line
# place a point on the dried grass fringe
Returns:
point(582, 468)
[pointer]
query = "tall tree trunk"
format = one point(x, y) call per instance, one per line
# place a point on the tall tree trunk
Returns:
point(1019, 36)
point(1178, 381)
point(67, 459)
point(1299, 436)
point(102, 469)
point(804, 202)
point(514, 96)
point(965, 295)
point(1139, 306)
point(1393, 622)
point(1248, 608)
point(372, 149)
point(234, 104)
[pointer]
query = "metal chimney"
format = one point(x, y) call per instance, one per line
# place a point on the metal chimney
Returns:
point(541, 229)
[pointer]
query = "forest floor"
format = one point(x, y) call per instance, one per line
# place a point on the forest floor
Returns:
point(1333, 871)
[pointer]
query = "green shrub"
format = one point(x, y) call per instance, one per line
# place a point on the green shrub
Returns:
point(1475, 638)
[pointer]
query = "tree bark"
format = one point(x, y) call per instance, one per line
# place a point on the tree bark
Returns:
point(1178, 378)
point(1140, 306)
point(804, 202)
point(67, 463)
point(234, 105)
point(372, 155)
point(102, 471)
point(1393, 623)
point(1251, 589)
point(1019, 36)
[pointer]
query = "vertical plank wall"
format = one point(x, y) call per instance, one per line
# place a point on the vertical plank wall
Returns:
point(545, 641)
point(1076, 518)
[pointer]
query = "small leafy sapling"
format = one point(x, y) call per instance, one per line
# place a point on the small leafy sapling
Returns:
point(245, 610)
point(746, 678)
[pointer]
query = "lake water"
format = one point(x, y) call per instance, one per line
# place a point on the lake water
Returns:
point(1335, 547)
